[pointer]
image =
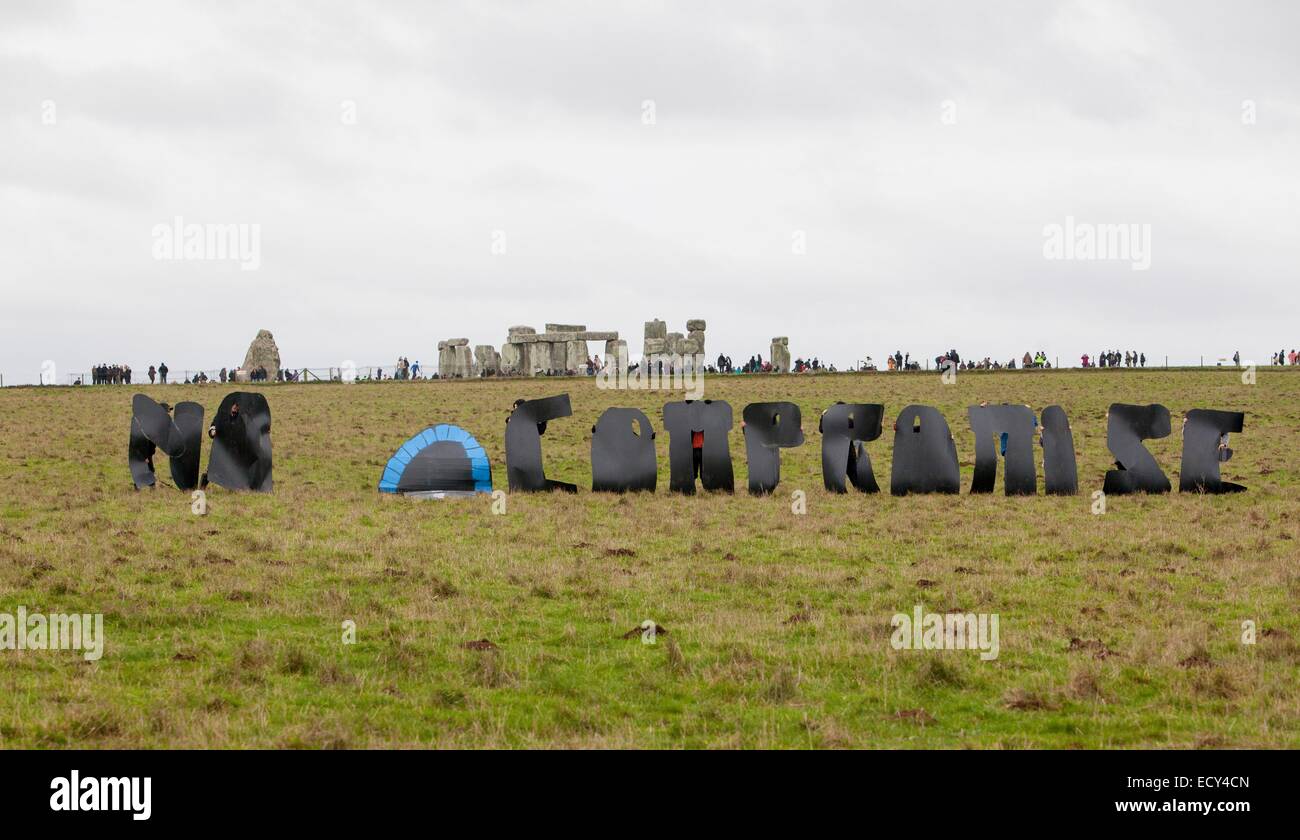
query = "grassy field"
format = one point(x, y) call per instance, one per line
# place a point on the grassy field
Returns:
point(1116, 630)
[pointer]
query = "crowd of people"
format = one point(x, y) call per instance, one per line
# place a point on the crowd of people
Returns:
point(404, 370)
point(121, 374)
point(1281, 357)
point(813, 364)
point(952, 360)
point(110, 375)
point(1114, 359)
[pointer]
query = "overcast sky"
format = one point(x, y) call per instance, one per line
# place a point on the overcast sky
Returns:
point(917, 150)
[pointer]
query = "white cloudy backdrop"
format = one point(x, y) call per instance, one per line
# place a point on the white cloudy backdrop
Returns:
point(527, 118)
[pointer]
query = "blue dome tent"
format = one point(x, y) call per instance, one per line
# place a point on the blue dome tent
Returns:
point(440, 461)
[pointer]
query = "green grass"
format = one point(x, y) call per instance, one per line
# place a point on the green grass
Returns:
point(225, 630)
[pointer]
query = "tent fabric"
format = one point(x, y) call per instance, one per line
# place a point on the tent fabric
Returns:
point(478, 479)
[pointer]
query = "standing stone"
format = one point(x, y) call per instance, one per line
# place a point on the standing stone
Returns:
point(455, 358)
point(656, 337)
point(695, 332)
point(559, 356)
point(511, 358)
point(674, 343)
point(780, 357)
point(263, 353)
point(487, 360)
point(577, 355)
point(616, 357)
point(537, 357)
point(446, 360)
point(464, 360)
point(697, 336)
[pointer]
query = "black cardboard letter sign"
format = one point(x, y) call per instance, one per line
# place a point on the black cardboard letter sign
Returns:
point(925, 455)
point(1060, 469)
point(1205, 446)
point(623, 452)
point(241, 443)
point(524, 429)
point(769, 427)
point(1005, 431)
point(845, 430)
point(712, 418)
point(153, 428)
point(1136, 470)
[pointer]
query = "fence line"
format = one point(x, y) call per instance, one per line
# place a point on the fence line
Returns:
point(372, 373)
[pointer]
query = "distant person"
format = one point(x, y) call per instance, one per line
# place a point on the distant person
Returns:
point(697, 453)
point(162, 373)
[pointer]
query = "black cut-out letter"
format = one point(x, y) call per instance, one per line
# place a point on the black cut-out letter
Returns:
point(181, 438)
point(925, 455)
point(846, 429)
point(1205, 446)
point(241, 443)
point(769, 427)
point(1005, 431)
point(712, 420)
point(524, 429)
point(1060, 469)
point(1136, 469)
point(623, 452)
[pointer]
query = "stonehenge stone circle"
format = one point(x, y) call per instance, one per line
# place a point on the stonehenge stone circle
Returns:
point(559, 348)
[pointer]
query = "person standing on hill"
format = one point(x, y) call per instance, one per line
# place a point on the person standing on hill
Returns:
point(162, 373)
